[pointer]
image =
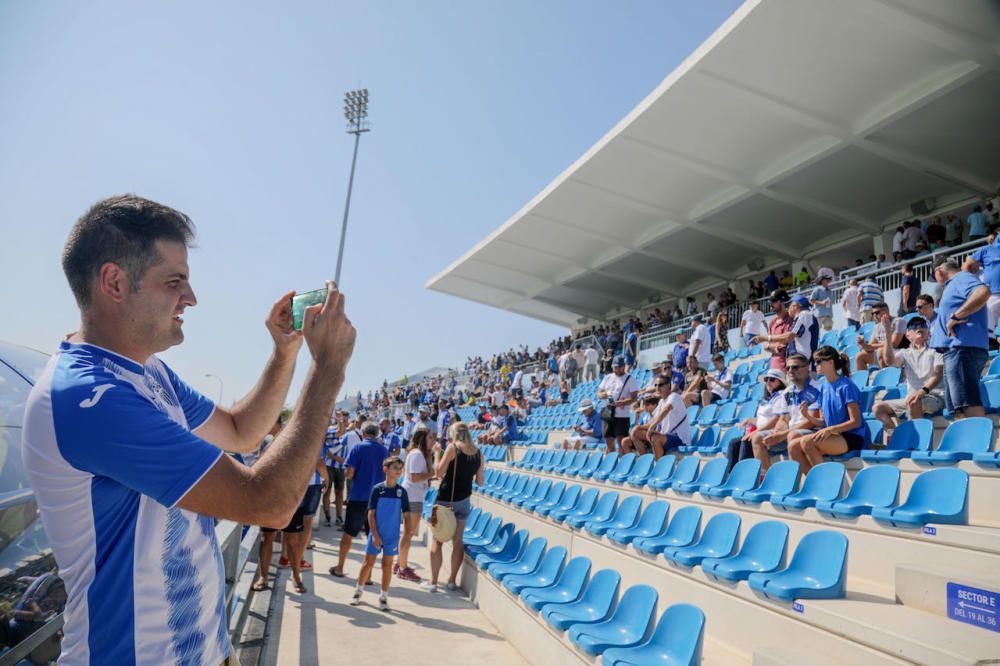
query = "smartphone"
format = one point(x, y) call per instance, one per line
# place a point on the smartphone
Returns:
point(301, 301)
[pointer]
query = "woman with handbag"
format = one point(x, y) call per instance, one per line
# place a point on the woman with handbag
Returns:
point(417, 474)
point(460, 464)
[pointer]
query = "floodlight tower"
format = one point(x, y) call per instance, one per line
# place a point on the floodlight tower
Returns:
point(356, 113)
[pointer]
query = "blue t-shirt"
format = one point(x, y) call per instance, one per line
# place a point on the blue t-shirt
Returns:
point(771, 282)
point(677, 379)
point(366, 458)
point(833, 401)
point(977, 224)
point(630, 344)
point(510, 422)
point(680, 355)
point(592, 423)
point(821, 293)
point(389, 505)
point(973, 333)
point(988, 257)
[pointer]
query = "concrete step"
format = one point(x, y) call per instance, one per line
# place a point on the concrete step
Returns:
point(791, 655)
point(925, 587)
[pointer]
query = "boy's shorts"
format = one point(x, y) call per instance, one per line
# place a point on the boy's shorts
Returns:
point(390, 546)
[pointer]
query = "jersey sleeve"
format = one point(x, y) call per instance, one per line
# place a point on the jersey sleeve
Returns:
point(849, 393)
point(197, 408)
point(124, 437)
point(374, 498)
point(352, 458)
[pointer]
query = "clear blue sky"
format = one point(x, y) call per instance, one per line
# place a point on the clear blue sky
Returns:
point(231, 112)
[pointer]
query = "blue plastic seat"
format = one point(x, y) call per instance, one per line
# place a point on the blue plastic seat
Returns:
point(546, 458)
point(711, 475)
point(685, 472)
point(693, 413)
point(640, 471)
point(527, 491)
point(876, 486)
point(781, 479)
point(744, 476)
point(476, 522)
point(885, 378)
point(556, 461)
point(910, 436)
point(722, 445)
point(708, 442)
point(938, 496)
point(588, 469)
point(551, 498)
point(676, 641)
point(763, 551)
point(501, 550)
point(472, 518)
point(485, 535)
point(527, 560)
point(682, 531)
point(516, 488)
point(566, 588)
point(584, 505)
point(662, 471)
point(706, 416)
point(524, 459)
point(605, 509)
point(818, 570)
point(824, 482)
point(608, 463)
point(630, 622)
point(960, 441)
point(625, 516)
point(622, 469)
point(652, 523)
point(575, 464)
point(594, 604)
point(718, 539)
point(988, 459)
point(566, 501)
point(546, 573)
point(727, 414)
point(541, 490)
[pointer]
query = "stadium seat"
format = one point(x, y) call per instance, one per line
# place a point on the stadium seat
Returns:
point(662, 471)
point(938, 496)
point(621, 471)
point(781, 479)
point(556, 461)
point(568, 498)
point(567, 587)
point(537, 462)
point(551, 497)
point(818, 570)
point(747, 410)
point(651, 524)
point(526, 562)
point(527, 491)
point(682, 531)
point(763, 551)
point(505, 548)
point(473, 519)
point(583, 506)
point(706, 416)
point(910, 436)
point(676, 641)
point(485, 535)
point(537, 495)
point(960, 441)
point(722, 445)
point(987, 459)
point(860, 378)
point(630, 622)
point(744, 476)
point(587, 470)
point(693, 414)
point(605, 509)
point(711, 475)
point(639, 472)
point(544, 574)
point(608, 463)
point(885, 378)
point(727, 414)
point(876, 486)
point(823, 482)
point(577, 462)
point(594, 604)
point(516, 489)
point(718, 539)
point(708, 442)
point(626, 516)
point(686, 471)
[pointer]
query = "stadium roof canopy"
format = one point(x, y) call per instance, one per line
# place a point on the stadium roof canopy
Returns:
point(796, 128)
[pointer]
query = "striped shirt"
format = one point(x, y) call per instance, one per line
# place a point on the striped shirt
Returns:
point(871, 294)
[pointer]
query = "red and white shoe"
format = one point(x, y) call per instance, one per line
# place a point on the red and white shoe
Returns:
point(283, 563)
point(305, 565)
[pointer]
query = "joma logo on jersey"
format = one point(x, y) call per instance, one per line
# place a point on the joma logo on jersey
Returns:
point(99, 391)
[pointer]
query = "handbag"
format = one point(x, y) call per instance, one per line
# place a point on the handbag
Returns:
point(444, 522)
point(608, 410)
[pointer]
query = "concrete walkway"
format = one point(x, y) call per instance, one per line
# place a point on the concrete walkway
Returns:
point(320, 627)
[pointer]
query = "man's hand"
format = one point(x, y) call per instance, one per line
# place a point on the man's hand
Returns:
point(952, 323)
point(328, 332)
point(279, 325)
point(913, 399)
point(376, 541)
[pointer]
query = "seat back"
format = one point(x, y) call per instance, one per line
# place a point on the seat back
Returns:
point(643, 465)
point(913, 435)
point(744, 475)
point(822, 556)
point(586, 502)
point(655, 516)
point(824, 481)
point(624, 465)
point(876, 485)
point(860, 378)
point(693, 413)
point(943, 490)
point(628, 511)
point(885, 378)
point(570, 497)
point(728, 436)
point(575, 576)
point(601, 592)
point(721, 532)
point(593, 461)
point(687, 469)
point(605, 507)
point(973, 434)
point(552, 563)
point(480, 523)
point(709, 436)
point(636, 612)
point(685, 523)
point(608, 462)
point(514, 546)
point(473, 517)
point(579, 460)
point(727, 413)
point(712, 473)
point(547, 458)
point(767, 544)
point(782, 478)
point(663, 468)
point(555, 493)
point(681, 634)
point(530, 488)
point(532, 553)
point(542, 489)
point(560, 458)
point(757, 394)
point(707, 414)
point(748, 408)
point(519, 485)
point(873, 426)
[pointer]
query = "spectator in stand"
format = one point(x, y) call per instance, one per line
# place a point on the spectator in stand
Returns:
point(590, 358)
point(752, 324)
point(869, 295)
point(768, 413)
point(669, 428)
point(780, 324)
point(578, 356)
point(822, 301)
point(691, 307)
point(851, 303)
point(953, 230)
point(936, 234)
point(961, 335)
point(334, 455)
point(786, 280)
point(720, 382)
point(631, 349)
point(638, 439)
point(694, 382)
point(801, 390)
point(503, 429)
point(417, 474)
point(619, 388)
point(871, 351)
point(802, 277)
point(840, 426)
point(987, 260)
point(712, 307)
point(701, 342)
point(408, 425)
point(803, 332)
point(909, 287)
point(911, 236)
point(771, 282)
point(923, 369)
point(676, 313)
point(978, 223)
point(679, 353)
point(720, 333)
point(587, 432)
point(898, 243)
point(922, 250)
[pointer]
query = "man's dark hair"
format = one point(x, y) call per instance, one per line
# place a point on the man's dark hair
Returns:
point(926, 298)
point(650, 401)
point(123, 230)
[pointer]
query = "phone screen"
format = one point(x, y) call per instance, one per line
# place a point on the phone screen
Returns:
point(301, 301)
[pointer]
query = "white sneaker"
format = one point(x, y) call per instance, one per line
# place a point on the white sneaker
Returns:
point(452, 587)
point(356, 599)
point(383, 603)
point(429, 586)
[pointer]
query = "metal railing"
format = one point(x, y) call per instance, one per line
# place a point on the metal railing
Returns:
point(236, 548)
point(886, 276)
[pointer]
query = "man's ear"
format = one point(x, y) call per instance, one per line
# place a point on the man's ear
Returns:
point(112, 282)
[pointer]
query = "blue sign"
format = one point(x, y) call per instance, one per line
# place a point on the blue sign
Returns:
point(931, 531)
point(974, 606)
point(797, 607)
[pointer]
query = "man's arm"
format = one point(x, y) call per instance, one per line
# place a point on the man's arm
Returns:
point(269, 492)
point(240, 428)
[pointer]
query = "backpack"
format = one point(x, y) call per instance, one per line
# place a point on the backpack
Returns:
point(570, 365)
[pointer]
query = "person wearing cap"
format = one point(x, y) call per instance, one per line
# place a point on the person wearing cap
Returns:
point(390, 440)
point(801, 389)
point(803, 334)
point(587, 432)
point(620, 388)
point(780, 324)
point(769, 411)
point(960, 330)
point(871, 350)
point(503, 430)
point(701, 342)
point(922, 368)
point(822, 301)
point(680, 351)
point(425, 421)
